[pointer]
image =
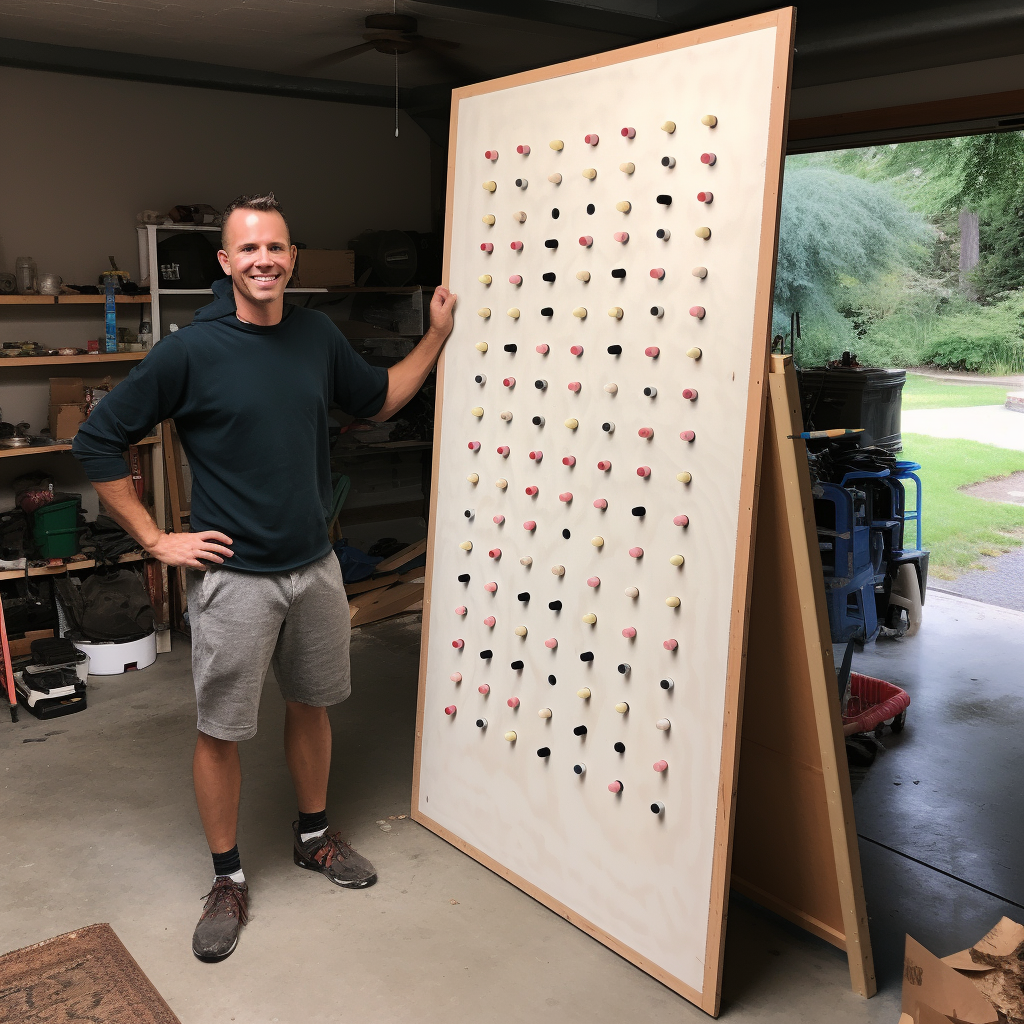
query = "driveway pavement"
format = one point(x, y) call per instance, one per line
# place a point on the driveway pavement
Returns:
point(989, 424)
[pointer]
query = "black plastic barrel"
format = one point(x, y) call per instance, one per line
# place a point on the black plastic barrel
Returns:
point(854, 396)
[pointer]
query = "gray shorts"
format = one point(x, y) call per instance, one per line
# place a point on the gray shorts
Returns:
point(242, 622)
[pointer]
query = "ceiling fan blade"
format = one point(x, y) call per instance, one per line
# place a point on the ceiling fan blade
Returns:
point(436, 44)
point(335, 58)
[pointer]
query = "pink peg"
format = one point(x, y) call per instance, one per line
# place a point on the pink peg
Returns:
point(516, 246)
point(543, 349)
point(646, 432)
point(487, 247)
point(604, 465)
point(600, 503)
point(687, 435)
point(530, 525)
point(523, 150)
point(576, 350)
point(591, 140)
point(698, 311)
point(450, 710)
point(621, 236)
point(484, 688)
point(516, 279)
point(473, 446)
point(532, 490)
point(575, 385)
point(705, 197)
point(489, 621)
point(629, 632)
point(498, 520)
point(643, 471)
point(681, 521)
point(490, 154)
point(653, 351)
point(565, 496)
point(456, 677)
point(586, 241)
point(513, 702)
point(504, 450)
point(495, 553)
point(594, 581)
point(658, 273)
point(461, 610)
point(708, 158)
point(660, 766)
point(509, 382)
point(536, 456)
point(490, 587)
point(616, 786)
point(670, 645)
point(458, 644)
point(568, 460)
point(636, 552)
point(690, 394)
point(628, 133)
point(551, 644)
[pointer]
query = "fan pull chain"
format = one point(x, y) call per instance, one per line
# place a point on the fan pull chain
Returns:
point(396, 94)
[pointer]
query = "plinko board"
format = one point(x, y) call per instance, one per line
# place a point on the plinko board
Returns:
point(611, 233)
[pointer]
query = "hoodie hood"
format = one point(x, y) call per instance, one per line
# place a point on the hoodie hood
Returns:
point(223, 302)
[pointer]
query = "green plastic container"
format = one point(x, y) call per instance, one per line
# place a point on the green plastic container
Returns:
point(55, 529)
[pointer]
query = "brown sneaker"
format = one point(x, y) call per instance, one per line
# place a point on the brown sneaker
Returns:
point(332, 856)
point(226, 910)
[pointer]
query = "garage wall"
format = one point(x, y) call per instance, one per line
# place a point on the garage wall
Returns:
point(79, 157)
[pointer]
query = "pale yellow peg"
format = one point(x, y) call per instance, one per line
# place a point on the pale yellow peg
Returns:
point(477, 411)
point(703, 232)
point(490, 185)
point(514, 313)
point(694, 353)
point(484, 312)
point(556, 144)
point(488, 218)
point(709, 120)
point(481, 346)
point(669, 126)
point(555, 179)
point(624, 207)
point(622, 707)
point(663, 724)
point(485, 278)
point(583, 693)
point(510, 736)
point(676, 560)
point(590, 172)
point(632, 592)
point(572, 423)
point(615, 311)
point(612, 389)
point(520, 631)
point(684, 477)
point(580, 312)
point(506, 416)
point(558, 570)
point(583, 275)
point(700, 272)
point(519, 215)
point(466, 545)
point(672, 602)
point(544, 713)
point(501, 484)
point(590, 618)
point(628, 167)
point(598, 542)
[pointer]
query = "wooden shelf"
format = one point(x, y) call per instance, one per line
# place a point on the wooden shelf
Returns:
point(209, 291)
point(70, 300)
point(45, 449)
point(59, 570)
point(85, 357)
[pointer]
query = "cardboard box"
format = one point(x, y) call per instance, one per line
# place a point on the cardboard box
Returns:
point(980, 985)
point(67, 407)
point(324, 268)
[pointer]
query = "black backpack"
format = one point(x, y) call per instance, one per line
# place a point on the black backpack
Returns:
point(107, 606)
point(187, 260)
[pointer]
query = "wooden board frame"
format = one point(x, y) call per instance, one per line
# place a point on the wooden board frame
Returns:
point(783, 21)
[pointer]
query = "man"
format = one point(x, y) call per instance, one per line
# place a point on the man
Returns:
point(248, 385)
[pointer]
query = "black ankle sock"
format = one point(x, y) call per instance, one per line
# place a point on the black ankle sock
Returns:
point(315, 822)
point(227, 863)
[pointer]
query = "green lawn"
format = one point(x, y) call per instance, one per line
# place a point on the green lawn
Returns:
point(927, 393)
point(956, 527)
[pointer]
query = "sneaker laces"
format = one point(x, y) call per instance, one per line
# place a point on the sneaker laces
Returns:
point(229, 896)
point(333, 846)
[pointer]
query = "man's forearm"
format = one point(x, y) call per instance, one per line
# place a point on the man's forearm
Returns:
point(121, 501)
point(406, 377)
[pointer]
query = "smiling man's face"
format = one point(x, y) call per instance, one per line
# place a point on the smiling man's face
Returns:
point(258, 254)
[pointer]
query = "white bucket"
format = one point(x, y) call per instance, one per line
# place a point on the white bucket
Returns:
point(113, 659)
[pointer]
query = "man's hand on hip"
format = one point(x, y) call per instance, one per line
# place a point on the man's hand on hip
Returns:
point(187, 549)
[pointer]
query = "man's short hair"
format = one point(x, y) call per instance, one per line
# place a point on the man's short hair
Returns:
point(261, 201)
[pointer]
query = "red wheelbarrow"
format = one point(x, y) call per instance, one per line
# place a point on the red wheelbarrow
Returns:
point(872, 703)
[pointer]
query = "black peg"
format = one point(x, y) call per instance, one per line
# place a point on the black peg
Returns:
point(665, 200)
point(638, 511)
point(619, 747)
point(547, 311)
point(615, 350)
point(555, 606)
point(566, 534)
point(487, 655)
point(552, 680)
point(580, 730)
point(523, 596)
point(551, 243)
point(517, 666)
point(512, 348)
point(544, 752)
point(619, 272)
point(548, 276)
point(464, 577)
point(587, 656)
point(623, 669)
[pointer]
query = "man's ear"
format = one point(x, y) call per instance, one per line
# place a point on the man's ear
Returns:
point(225, 263)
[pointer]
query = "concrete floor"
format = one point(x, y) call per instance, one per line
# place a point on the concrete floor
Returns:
point(99, 824)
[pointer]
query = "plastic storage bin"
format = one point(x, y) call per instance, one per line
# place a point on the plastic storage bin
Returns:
point(55, 529)
point(854, 396)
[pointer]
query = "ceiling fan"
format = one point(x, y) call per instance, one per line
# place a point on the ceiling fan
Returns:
point(392, 34)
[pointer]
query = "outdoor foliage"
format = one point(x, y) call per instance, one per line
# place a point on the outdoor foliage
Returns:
point(869, 254)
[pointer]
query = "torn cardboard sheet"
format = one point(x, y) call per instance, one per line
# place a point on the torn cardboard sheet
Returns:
point(995, 966)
